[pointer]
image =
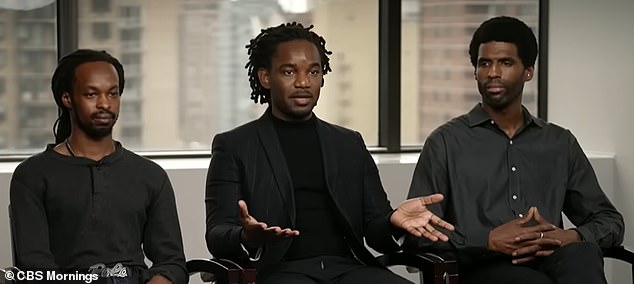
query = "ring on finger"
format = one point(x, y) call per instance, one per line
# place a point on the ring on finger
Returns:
point(541, 235)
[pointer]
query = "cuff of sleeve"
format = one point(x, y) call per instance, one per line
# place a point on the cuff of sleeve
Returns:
point(584, 234)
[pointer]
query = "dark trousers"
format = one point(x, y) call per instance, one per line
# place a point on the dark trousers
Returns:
point(575, 263)
point(330, 269)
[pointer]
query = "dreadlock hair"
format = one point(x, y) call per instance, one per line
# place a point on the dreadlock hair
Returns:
point(262, 48)
point(505, 29)
point(63, 79)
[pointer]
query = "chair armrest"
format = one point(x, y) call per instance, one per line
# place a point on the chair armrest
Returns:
point(433, 265)
point(620, 253)
point(221, 271)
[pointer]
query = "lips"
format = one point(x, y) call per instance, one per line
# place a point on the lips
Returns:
point(301, 98)
point(495, 88)
point(103, 118)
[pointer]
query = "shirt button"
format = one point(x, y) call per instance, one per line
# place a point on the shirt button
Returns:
point(514, 196)
point(511, 142)
point(492, 122)
point(521, 215)
point(513, 168)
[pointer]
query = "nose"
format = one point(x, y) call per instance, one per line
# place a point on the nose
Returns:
point(302, 81)
point(494, 71)
point(103, 101)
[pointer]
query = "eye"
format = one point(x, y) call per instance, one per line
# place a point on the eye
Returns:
point(90, 95)
point(315, 72)
point(507, 63)
point(288, 72)
point(114, 93)
point(484, 63)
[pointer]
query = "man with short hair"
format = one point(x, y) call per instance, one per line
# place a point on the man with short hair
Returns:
point(86, 203)
point(508, 176)
point(312, 189)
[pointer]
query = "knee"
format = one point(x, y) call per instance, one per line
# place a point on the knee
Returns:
point(582, 251)
point(577, 255)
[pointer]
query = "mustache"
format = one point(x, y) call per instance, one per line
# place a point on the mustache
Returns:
point(102, 113)
point(494, 81)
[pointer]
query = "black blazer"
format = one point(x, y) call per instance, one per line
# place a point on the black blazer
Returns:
point(248, 163)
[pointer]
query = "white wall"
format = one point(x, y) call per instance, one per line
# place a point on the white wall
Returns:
point(591, 63)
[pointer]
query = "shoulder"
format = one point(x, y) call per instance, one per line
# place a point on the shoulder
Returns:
point(555, 131)
point(239, 132)
point(456, 126)
point(142, 164)
point(35, 164)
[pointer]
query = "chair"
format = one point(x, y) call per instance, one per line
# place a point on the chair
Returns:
point(436, 268)
point(445, 268)
point(221, 271)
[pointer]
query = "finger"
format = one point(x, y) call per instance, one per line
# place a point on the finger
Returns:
point(414, 231)
point(523, 260)
point(538, 217)
point(529, 236)
point(442, 223)
point(526, 250)
point(548, 242)
point(543, 253)
point(437, 233)
point(427, 234)
point(244, 211)
point(431, 199)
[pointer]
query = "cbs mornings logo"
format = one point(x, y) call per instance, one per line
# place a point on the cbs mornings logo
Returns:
point(15, 274)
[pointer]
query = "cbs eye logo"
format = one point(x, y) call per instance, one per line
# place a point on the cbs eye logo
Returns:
point(23, 275)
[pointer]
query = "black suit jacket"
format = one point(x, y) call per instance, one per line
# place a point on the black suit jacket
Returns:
point(248, 163)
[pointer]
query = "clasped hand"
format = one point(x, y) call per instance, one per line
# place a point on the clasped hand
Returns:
point(414, 217)
point(525, 242)
point(255, 234)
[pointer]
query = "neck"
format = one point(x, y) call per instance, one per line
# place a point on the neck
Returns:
point(508, 119)
point(94, 149)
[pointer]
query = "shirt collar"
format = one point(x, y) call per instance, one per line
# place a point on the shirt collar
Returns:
point(478, 116)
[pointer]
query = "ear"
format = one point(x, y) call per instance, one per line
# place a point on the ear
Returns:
point(66, 100)
point(264, 77)
point(528, 73)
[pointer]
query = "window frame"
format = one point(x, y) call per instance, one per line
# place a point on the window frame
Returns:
point(389, 73)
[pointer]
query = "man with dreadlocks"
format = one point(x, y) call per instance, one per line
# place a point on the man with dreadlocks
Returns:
point(312, 189)
point(86, 203)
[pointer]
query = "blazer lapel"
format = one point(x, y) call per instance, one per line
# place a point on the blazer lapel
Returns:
point(273, 150)
point(329, 154)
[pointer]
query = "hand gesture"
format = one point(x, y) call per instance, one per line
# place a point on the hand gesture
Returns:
point(414, 217)
point(534, 247)
point(509, 238)
point(255, 234)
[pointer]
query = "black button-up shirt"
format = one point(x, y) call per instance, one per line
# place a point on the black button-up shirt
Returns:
point(489, 179)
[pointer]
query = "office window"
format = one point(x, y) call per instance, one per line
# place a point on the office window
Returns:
point(101, 6)
point(185, 63)
point(435, 42)
point(27, 60)
point(101, 31)
point(3, 86)
point(3, 59)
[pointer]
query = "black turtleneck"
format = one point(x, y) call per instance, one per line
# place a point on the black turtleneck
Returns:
point(317, 219)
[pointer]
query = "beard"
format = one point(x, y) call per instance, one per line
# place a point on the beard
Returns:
point(96, 132)
point(501, 100)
